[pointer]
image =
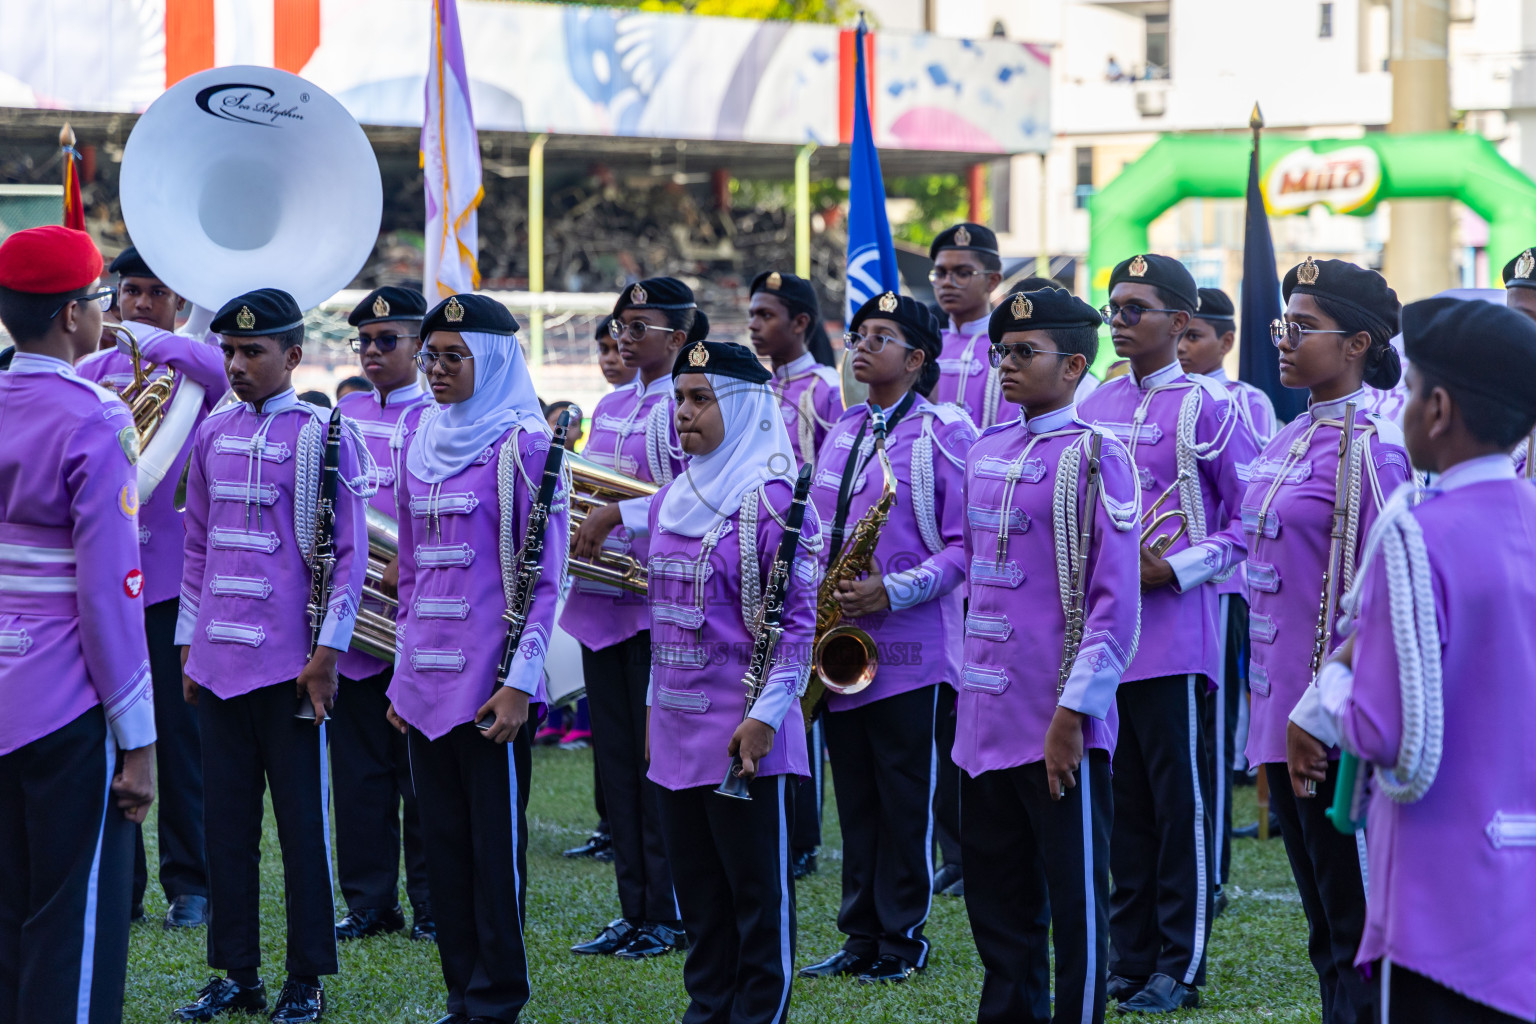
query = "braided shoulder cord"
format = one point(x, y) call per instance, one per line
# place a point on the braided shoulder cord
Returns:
point(806, 422)
point(397, 456)
point(658, 445)
point(308, 455)
point(508, 469)
point(992, 398)
point(751, 585)
point(922, 489)
point(1064, 522)
point(1187, 452)
point(366, 483)
point(1354, 483)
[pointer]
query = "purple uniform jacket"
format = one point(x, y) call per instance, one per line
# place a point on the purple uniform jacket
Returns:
point(1157, 419)
point(810, 399)
point(246, 579)
point(71, 608)
point(967, 379)
point(1293, 494)
point(384, 427)
point(455, 545)
point(632, 432)
point(161, 533)
point(701, 643)
point(1016, 623)
point(1453, 875)
point(920, 551)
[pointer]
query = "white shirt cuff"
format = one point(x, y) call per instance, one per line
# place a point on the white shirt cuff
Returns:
point(1191, 567)
point(635, 513)
point(777, 696)
point(1310, 716)
point(910, 588)
point(527, 673)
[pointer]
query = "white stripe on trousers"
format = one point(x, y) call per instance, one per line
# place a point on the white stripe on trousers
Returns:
point(1090, 901)
point(517, 878)
point(1221, 771)
point(1365, 864)
point(325, 822)
point(92, 893)
point(786, 954)
point(933, 783)
point(1386, 991)
point(1202, 879)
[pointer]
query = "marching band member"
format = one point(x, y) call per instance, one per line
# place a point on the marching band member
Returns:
point(1520, 283)
point(77, 738)
point(966, 268)
point(251, 522)
point(882, 739)
point(1206, 342)
point(1434, 686)
point(714, 534)
point(149, 311)
point(632, 431)
point(1185, 441)
point(369, 763)
point(1037, 718)
point(1336, 335)
point(471, 473)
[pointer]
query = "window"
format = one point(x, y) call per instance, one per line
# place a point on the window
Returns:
point(1084, 180)
point(1157, 45)
point(1325, 21)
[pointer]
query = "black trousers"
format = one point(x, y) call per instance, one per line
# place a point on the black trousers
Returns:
point(1160, 848)
point(617, 678)
point(251, 742)
point(1326, 866)
point(1219, 720)
point(738, 901)
point(178, 769)
point(1414, 999)
point(473, 796)
point(946, 797)
point(810, 793)
point(66, 860)
point(371, 771)
point(1037, 869)
point(884, 771)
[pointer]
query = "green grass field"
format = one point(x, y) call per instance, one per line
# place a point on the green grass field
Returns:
point(1258, 966)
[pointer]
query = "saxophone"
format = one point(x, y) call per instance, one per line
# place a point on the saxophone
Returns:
point(845, 657)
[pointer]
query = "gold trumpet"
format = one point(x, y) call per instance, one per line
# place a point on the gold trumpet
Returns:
point(1159, 544)
point(374, 632)
point(146, 398)
point(592, 487)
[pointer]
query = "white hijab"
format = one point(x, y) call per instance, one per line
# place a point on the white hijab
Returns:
point(503, 397)
point(756, 449)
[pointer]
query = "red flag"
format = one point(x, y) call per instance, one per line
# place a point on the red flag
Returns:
point(74, 211)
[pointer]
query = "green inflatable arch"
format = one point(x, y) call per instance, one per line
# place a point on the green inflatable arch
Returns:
point(1428, 165)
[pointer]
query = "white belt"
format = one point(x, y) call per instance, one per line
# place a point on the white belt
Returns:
point(40, 584)
point(32, 555)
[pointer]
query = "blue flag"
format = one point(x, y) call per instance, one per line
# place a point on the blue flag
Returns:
point(1258, 360)
point(871, 255)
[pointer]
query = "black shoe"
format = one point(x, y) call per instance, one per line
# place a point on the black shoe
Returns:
point(840, 963)
point(1219, 904)
point(1120, 989)
point(298, 1003)
point(804, 863)
point(136, 914)
point(1161, 995)
point(597, 843)
point(360, 924)
point(653, 940)
point(887, 969)
point(955, 888)
point(187, 912)
point(423, 927)
point(610, 940)
point(221, 995)
point(452, 1018)
point(946, 876)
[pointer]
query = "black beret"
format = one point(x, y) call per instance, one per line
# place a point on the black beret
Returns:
point(1040, 310)
point(667, 293)
point(254, 314)
point(603, 330)
point(1167, 274)
point(722, 358)
point(130, 264)
point(389, 303)
point(1519, 272)
point(917, 320)
point(1034, 284)
point(1215, 304)
point(477, 314)
point(967, 237)
point(1475, 346)
point(1363, 291)
point(798, 294)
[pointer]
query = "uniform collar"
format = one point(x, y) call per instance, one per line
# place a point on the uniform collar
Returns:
point(412, 392)
point(660, 386)
point(794, 368)
point(288, 399)
point(1054, 420)
point(1335, 408)
point(1219, 375)
point(1475, 471)
point(970, 329)
point(1157, 378)
point(31, 362)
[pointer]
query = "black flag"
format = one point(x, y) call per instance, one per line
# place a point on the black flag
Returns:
point(1258, 361)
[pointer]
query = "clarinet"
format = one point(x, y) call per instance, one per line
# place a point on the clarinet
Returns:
point(530, 559)
point(1077, 600)
point(322, 566)
point(766, 636)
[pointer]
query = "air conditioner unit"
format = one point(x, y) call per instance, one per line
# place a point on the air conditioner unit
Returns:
point(1152, 102)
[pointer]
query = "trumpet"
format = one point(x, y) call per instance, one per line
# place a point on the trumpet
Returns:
point(146, 396)
point(374, 631)
point(593, 486)
point(1159, 544)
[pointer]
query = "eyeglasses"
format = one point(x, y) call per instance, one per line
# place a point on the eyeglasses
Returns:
point(960, 275)
point(1288, 333)
point(634, 330)
point(1022, 352)
point(103, 301)
point(874, 344)
point(382, 342)
point(1130, 315)
point(452, 361)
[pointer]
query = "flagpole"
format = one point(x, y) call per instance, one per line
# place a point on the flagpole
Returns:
point(74, 214)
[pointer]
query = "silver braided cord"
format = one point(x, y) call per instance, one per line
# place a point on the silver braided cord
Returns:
point(806, 422)
point(992, 398)
point(658, 445)
point(922, 489)
point(508, 468)
point(369, 479)
point(1064, 522)
point(308, 456)
point(751, 577)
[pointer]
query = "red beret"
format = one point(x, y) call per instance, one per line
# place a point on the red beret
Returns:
point(49, 260)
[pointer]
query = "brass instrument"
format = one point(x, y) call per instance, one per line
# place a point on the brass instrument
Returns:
point(845, 657)
point(1159, 545)
point(146, 397)
point(374, 632)
point(593, 486)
